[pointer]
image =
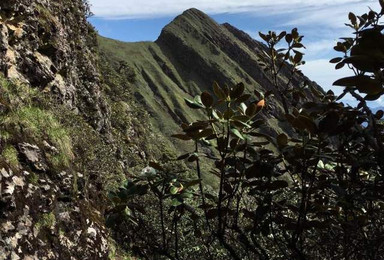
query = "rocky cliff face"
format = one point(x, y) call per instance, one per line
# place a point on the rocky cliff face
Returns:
point(49, 67)
point(50, 45)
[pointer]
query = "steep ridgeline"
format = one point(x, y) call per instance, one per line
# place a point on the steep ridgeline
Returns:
point(192, 52)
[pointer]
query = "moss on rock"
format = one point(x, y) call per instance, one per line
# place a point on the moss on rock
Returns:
point(10, 156)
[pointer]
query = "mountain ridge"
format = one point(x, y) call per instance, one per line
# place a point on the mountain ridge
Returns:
point(191, 53)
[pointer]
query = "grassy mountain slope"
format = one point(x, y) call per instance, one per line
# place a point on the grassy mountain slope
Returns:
point(192, 52)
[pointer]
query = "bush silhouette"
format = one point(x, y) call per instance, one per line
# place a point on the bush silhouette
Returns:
point(316, 193)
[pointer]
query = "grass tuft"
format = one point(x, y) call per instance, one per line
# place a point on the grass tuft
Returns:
point(10, 155)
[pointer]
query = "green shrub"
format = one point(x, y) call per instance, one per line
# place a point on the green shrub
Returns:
point(317, 195)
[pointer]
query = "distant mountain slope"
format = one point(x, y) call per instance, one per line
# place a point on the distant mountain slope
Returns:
point(192, 52)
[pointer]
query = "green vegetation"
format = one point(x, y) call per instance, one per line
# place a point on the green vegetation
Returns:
point(317, 195)
point(165, 76)
point(28, 116)
point(144, 92)
point(39, 125)
point(46, 220)
point(33, 178)
point(115, 253)
point(15, 95)
point(30, 123)
point(45, 223)
point(132, 126)
point(11, 156)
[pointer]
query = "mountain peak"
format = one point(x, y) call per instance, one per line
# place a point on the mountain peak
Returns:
point(195, 15)
point(192, 21)
point(193, 11)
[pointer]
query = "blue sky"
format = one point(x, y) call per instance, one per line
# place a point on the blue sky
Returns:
point(321, 22)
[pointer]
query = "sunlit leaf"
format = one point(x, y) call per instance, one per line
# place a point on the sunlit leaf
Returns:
point(237, 133)
point(261, 103)
point(192, 104)
point(176, 202)
point(217, 115)
point(174, 190)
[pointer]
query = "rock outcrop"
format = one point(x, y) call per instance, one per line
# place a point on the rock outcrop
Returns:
point(48, 62)
point(51, 46)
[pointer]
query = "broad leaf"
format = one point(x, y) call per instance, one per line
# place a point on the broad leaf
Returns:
point(192, 104)
point(219, 92)
point(206, 99)
point(237, 91)
point(282, 140)
point(237, 133)
point(363, 83)
point(181, 137)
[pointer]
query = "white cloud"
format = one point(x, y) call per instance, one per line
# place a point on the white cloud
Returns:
point(330, 14)
point(325, 74)
point(149, 8)
point(318, 48)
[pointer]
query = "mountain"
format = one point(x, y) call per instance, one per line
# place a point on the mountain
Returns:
point(79, 113)
point(191, 53)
